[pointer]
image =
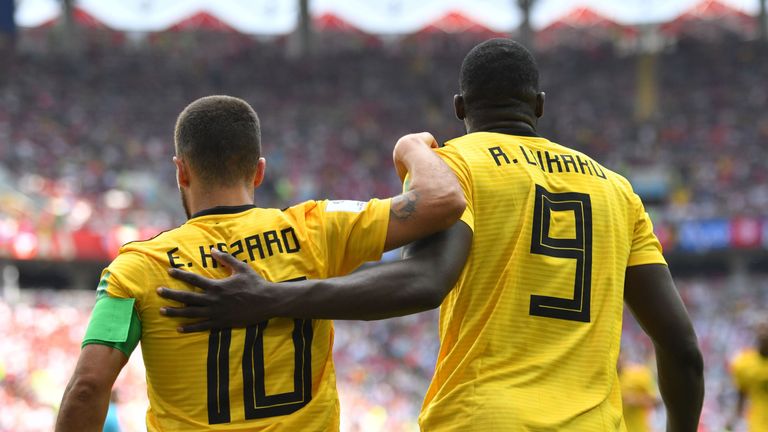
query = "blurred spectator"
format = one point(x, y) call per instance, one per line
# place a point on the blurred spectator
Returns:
point(86, 142)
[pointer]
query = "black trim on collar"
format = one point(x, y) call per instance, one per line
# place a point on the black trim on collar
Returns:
point(514, 131)
point(223, 210)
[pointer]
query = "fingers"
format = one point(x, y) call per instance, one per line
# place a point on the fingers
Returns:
point(429, 139)
point(422, 137)
point(186, 297)
point(228, 260)
point(186, 312)
point(192, 278)
point(196, 327)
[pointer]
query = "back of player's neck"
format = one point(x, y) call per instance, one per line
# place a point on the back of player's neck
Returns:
point(509, 127)
point(220, 197)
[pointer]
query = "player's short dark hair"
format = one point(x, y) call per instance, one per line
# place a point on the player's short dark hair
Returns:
point(498, 73)
point(220, 138)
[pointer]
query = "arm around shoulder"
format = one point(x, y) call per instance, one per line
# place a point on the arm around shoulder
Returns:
point(434, 200)
point(415, 284)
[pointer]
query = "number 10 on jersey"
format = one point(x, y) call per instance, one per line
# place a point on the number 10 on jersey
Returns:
point(256, 402)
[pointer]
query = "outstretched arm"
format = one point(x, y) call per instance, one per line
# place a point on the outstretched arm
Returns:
point(415, 284)
point(652, 297)
point(86, 399)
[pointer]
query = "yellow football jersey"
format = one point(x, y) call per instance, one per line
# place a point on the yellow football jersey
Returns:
point(277, 375)
point(750, 373)
point(529, 336)
point(636, 381)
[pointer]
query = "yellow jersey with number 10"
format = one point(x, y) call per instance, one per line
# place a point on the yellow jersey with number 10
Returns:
point(529, 336)
point(277, 375)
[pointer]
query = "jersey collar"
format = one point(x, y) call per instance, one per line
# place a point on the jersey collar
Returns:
point(514, 131)
point(223, 210)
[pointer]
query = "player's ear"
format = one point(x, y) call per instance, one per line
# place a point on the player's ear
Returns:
point(182, 172)
point(261, 167)
point(540, 104)
point(458, 106)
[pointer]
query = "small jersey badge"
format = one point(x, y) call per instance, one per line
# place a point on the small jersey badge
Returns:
point(345, 206)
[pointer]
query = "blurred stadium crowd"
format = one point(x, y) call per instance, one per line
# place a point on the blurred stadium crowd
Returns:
point(88, 140)
point(383, 368)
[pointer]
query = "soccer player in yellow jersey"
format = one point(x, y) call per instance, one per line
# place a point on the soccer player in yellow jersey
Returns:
point(637, 394)
point(750, 375)
point(550, 246)
point(274, 375)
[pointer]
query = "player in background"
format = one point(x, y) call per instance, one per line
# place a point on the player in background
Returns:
point(550, 246)
point(638, 395)
point(277, 375)
point(750, 375)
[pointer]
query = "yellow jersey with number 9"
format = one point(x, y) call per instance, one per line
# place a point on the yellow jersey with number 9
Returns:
point(529, 336)
point(277, 375)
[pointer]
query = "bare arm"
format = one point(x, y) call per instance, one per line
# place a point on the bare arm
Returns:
point(417, 283)
point(434, 201)
point(86, 399)
point(652, 297)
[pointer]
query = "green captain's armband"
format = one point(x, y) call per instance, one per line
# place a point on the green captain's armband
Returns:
point(114, 323)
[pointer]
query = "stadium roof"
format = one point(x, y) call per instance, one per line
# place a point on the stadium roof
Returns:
point(275, 17)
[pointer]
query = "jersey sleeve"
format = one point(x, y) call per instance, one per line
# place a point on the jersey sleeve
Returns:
point(350, 233)
point(125, 277)
point(458, 165)
point(646, 248)
point(115, 319)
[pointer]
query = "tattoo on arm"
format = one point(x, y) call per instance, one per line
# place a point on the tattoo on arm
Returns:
point(404, 205)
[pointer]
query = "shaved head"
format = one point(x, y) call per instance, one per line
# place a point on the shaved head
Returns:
point(498, 72)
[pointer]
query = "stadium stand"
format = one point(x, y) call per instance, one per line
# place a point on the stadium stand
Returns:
point(90, 138)
point(85, 166)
